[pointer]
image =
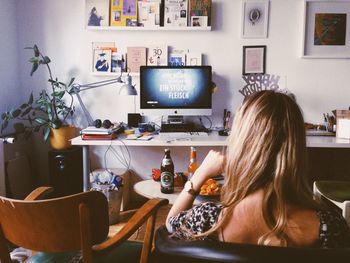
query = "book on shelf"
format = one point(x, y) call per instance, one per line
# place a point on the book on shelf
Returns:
point(92, 130)
point(118, 62)
point(116, 13)
point(198, 10)
point(102, 60)
point(102, 56)
point(157, 55)
point(149, 13)
point(193, 59)
point(175, 13)
point(99, 136)
point(97, 12)
point(177, 58)
point(136, 57)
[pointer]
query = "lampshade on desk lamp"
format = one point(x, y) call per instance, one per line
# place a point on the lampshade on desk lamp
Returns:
point(126, 89)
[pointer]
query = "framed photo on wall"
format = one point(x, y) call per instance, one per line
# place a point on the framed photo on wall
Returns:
point(326, 31)
point(254, 60)
point(255, 18)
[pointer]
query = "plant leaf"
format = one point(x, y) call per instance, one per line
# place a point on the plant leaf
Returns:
point(47, 131)
point(33, 60)
point(3, 116)
point(24, 105)
point(47, 60)
point(70, 82)
point(40, 120)
point(36, 51)
point(34, 68)
point(15, 113)
point(26, 112)
point(31, 98)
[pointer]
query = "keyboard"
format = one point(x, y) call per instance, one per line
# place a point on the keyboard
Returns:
point(180, 135)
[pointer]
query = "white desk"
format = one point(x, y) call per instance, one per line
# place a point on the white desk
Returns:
point(212, 140)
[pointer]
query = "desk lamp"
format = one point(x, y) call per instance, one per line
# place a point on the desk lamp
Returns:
point(126, 89)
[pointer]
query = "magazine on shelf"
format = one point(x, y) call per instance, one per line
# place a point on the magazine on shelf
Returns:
point(149, 13)
point(136, 57)
point(129, 14)
point(157, 55)
point(175, 13)
point(97, 12)
point(198, 9)
point(177, 58)
point(116, 13)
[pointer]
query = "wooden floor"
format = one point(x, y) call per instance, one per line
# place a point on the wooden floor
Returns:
point(139, 235)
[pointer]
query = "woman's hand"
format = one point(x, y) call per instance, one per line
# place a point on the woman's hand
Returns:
point(212, 165)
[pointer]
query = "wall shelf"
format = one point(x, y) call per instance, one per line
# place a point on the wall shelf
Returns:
point(114, 74)
point(125, 28)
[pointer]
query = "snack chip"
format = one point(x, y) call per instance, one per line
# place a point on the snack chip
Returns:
point(210, 187)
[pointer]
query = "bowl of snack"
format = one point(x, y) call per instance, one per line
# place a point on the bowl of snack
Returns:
point(211, 188)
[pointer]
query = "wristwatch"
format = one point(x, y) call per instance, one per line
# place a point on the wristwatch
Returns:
point(188, 187)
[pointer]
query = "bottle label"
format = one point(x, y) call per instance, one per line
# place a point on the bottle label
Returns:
point(166, 162)
point(167, 179)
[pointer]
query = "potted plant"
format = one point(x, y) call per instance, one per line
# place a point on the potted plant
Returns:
point(47, 113)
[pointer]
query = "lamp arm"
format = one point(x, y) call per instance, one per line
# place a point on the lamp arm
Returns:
point(82, 87)
point(86, 112)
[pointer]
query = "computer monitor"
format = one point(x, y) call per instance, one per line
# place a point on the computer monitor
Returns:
point(169, 90)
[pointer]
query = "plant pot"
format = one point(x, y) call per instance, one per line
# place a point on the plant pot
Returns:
point(60, 138)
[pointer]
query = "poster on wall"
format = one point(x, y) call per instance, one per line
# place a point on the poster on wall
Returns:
point(97, 12)
point(255, 16)
point(326, 29)
point(254, 60)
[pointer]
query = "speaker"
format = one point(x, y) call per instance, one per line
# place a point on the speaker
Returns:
point(66, 171)
point(134, 119)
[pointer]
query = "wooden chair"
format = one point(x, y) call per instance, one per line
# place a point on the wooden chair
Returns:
point(63, 227)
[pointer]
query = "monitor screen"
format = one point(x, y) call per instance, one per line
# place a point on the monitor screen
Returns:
point(166, 90)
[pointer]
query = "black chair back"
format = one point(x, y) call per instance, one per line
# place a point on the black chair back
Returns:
point(171, 250)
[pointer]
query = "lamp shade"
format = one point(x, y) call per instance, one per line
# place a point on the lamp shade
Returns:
point(128, 88)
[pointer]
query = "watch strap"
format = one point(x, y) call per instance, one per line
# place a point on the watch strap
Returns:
point(191, 191)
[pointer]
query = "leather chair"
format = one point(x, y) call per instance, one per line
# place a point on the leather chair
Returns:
point(336, 193)
point(171, 250)
point(73, 226)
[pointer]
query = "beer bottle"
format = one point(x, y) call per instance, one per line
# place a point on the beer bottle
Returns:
point(192, 167)
point(167, 174)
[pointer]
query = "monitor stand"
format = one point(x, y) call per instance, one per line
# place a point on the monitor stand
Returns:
point(176, 124)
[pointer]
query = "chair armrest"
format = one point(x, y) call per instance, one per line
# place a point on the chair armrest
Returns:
point(148, 209)
point(39, 193)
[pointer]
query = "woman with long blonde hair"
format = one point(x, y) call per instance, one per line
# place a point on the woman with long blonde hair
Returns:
point(266, 198)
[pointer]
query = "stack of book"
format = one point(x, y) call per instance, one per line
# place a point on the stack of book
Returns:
point(93, 133)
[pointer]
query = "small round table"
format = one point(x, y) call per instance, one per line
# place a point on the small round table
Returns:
point(151, 189)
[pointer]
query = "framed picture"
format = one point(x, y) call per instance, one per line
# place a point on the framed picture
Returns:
point(97, 12)
point(254, 60)
point(255, 18)
point(201, 21)
point(326, 31)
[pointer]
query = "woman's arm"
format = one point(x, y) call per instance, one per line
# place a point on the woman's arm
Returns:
point(211, 166)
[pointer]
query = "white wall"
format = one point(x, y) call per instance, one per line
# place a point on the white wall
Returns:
point(58, 29)
point(9, 67)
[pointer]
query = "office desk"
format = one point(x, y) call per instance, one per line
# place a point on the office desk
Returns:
point(211, 140)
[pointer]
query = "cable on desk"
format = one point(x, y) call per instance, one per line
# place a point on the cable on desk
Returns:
point(201, 122)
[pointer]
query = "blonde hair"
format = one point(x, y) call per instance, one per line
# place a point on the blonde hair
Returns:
point(267, 150)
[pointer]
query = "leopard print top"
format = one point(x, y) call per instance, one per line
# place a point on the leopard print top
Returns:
point(333, 233)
